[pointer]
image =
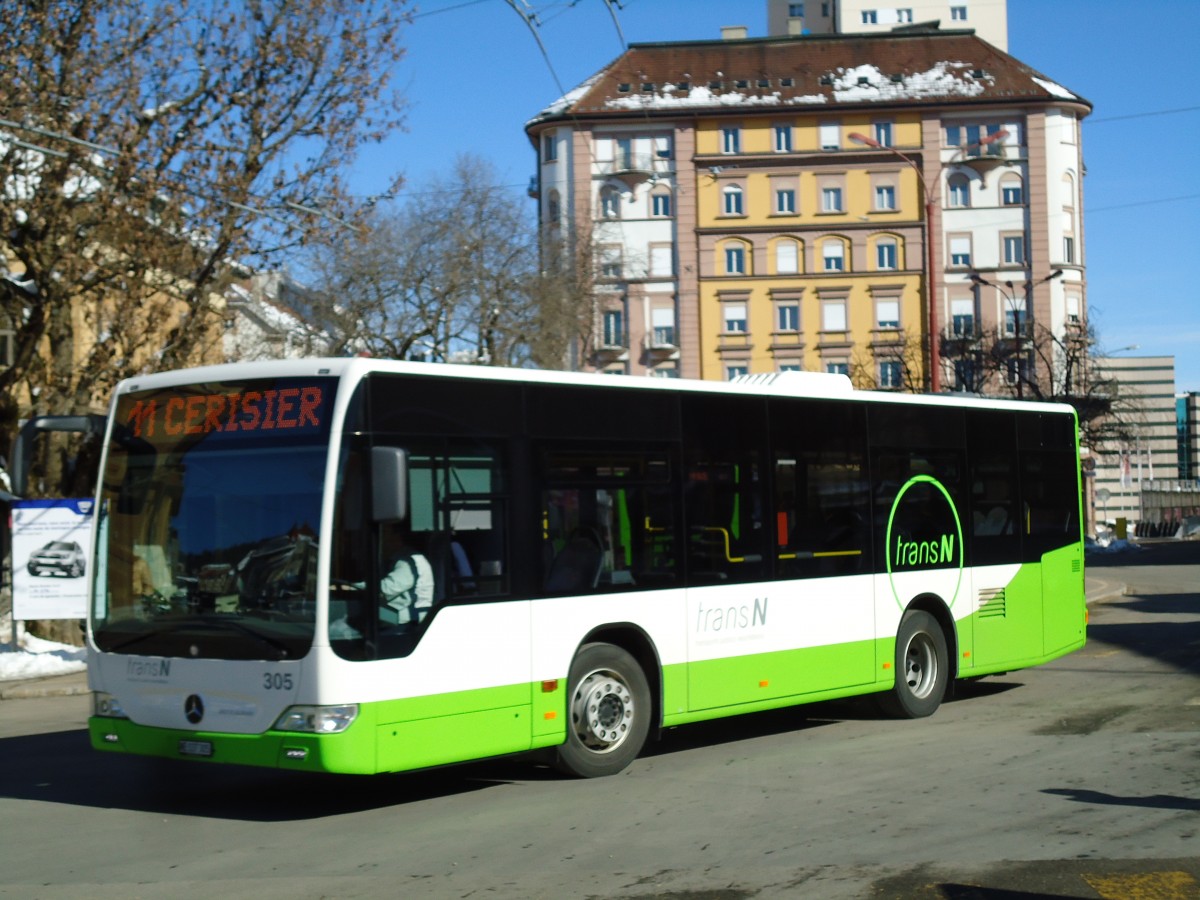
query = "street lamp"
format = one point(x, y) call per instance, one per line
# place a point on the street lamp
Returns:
point(930, 193)
point(1010, 295)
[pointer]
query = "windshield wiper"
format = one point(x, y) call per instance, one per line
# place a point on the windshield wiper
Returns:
point(274, 643)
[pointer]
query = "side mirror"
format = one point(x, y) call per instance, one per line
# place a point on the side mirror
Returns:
point(389, 484)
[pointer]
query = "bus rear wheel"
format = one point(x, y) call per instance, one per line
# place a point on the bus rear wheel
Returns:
point(608, 712)
point(922, 668)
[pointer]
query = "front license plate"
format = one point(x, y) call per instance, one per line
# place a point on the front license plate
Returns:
point(195, 748)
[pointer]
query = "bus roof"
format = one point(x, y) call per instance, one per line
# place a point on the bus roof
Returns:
point(816, 385)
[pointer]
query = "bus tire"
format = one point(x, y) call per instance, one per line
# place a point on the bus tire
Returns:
point(922, 668)
point(608, 712)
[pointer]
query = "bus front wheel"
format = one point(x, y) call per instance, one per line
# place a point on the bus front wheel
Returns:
point(608, 712)
point(922, 668)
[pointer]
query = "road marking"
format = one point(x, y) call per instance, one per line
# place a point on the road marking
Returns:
point(1145, 886)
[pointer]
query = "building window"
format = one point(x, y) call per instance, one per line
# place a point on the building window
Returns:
point(1011, 194)
point(735, 260)
point(885, 197)
point(787, 317)
point(967, 137)
point(960, 191)
point(783, 138)
point(834, 254)
point(960, 251)
point(732, 372)
point(965, 375)
point(1068, 249)
point(731, 139)
point(731, 201)
point(883, 133)
point(958, 14)
point(830, 136)
point(549, 148)
point(614, 328)
point(889, 374)
point(553, 208)
point(787, 257)
point(660, 206)
point(831, 199)
point(904, 15)
point(610, 262)
point(837, 368)
point(796, 10)
point(610, 203)
point(662, 261)
point(870, 17)
point(1014, 250)
point(662, 321)
point(886, 255)
point(887, 314)
point(833, 315)
point(962, 318)
point(735, 318)
point(785, 201)
point(1014, 316)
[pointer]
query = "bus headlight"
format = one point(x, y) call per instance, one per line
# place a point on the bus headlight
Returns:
point(107, 705)
point(317, 719)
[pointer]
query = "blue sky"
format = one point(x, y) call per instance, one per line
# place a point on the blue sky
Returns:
point(474, 74)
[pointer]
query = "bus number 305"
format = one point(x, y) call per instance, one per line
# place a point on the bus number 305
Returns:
point(277, 681)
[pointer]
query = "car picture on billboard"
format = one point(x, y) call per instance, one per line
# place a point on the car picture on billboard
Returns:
point(50, 544)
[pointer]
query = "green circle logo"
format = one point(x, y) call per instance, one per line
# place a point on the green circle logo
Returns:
point(921, 536)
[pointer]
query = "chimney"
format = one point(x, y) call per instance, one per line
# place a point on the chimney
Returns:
point(734, 32)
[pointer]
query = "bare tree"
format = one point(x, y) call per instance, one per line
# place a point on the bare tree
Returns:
point(1055, 367)
point(145, 145)
point(904, 357)
point(452, 274)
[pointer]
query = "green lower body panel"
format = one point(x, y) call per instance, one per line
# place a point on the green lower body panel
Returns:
point(389, 736)
point(347, 753)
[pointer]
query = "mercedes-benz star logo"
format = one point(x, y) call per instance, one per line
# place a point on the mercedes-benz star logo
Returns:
point(193, 708)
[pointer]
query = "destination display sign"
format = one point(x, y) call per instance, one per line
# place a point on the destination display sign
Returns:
point(275, 408)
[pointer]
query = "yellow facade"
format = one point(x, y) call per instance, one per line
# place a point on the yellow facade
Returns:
point(809, 257)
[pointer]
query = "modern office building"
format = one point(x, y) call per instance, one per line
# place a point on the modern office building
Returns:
point(797, 202)
point(988, 18)
point(1147, 459)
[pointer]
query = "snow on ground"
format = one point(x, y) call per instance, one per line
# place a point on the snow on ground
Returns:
point(34, 657)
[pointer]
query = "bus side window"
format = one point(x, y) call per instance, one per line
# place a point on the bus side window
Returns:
point(822, 497)
point(607, 520)
point(995, 516)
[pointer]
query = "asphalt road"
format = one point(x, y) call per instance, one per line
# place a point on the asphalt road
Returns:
point(1079, 779)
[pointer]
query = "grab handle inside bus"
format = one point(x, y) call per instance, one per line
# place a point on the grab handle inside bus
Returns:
point(389, 484)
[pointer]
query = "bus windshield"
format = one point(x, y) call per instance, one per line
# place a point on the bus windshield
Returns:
point(208, 523)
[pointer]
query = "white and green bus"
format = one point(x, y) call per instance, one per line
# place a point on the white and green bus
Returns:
point(609, 557)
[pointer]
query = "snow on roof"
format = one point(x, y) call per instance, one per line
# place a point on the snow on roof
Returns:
point(1055, 89)
point(928, 67)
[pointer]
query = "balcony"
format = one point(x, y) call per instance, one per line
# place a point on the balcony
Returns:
point(660, 345)
point(604, 354)
point(635, 168)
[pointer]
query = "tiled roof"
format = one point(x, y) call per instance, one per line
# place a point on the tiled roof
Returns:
point(809, 72)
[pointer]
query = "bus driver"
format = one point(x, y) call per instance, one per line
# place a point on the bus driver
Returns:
point(407, 590)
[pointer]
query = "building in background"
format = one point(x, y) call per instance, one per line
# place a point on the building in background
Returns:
point(1146, 458)
point(988, 18)
point(759, 205)
point(1187, 431)
point(264, 320)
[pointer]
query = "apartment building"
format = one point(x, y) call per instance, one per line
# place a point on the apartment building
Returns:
point(758, 205)
point(988, 18)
